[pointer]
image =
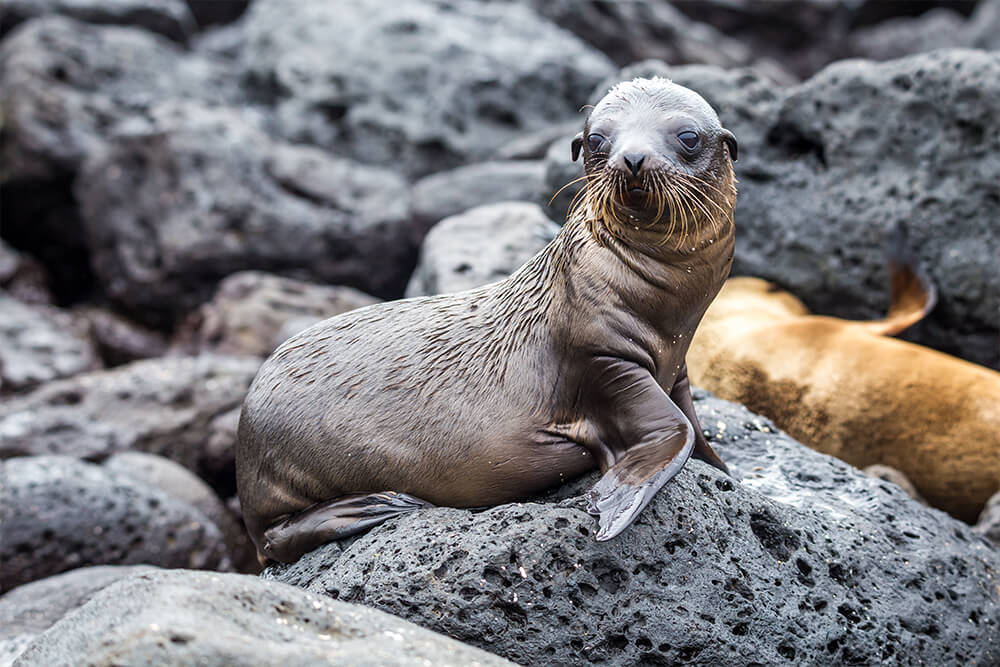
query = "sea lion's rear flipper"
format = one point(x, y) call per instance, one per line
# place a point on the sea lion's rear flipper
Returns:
point(650, 435)
point(681, 396)
point(912, 293)
point(335, 519)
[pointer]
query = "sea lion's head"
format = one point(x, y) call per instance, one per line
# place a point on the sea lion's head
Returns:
point(657, 159)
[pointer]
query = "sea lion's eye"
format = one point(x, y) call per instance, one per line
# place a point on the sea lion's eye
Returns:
point(594, 142)
point(689, 139)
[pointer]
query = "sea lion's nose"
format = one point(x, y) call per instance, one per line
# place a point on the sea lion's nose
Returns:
point(634, 162)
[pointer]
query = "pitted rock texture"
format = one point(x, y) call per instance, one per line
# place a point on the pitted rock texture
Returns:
point(455, 191)
point(181, 484)
point(251, 313)
point(821, 182)
point(193, 194)
point(800, 559)
point(194, 618)
point(170, 18)
point(480, 246)
point(162, 406)
point(39, 343)
point(406, 103)
point(60, 513)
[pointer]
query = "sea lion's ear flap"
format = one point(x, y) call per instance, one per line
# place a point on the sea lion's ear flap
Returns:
point(577, 146)
point(730, 140)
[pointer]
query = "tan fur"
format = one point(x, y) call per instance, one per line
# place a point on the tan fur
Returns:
point(844, 390)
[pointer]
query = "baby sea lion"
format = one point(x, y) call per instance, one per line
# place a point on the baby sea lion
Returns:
point(492, 395)
point(844, 388)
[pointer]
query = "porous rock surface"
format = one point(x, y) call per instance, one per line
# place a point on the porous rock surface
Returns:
point(162, 406)
point(479, 246)
point(60, 513)
point(800, 559)
point(194, 194)
point(252, 312)
point(39, 343)
point(449, 84)
point(822, 181)
point(188, 618)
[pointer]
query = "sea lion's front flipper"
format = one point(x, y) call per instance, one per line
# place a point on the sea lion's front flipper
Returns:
point(650, 435)
point(295, 535)
point(681, 396)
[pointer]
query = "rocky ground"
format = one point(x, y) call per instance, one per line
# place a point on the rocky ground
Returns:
point(184, 184)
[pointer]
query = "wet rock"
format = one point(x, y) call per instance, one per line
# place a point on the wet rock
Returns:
point(226, 619)
point(40, 343)
point(989, 521)
point(447, 193)
point(194, 194)
point(61, 513)
point(480, 246)
point(450, 83)
point(170, 18)
point(161, 406)
point(890, 474)
point(120, 340)
point(181, 484)
point(799, 559)
point(251, 311)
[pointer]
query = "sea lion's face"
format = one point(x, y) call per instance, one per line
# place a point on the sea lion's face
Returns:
point(655, 154)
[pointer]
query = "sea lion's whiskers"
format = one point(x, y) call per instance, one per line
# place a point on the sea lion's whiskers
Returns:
point(573, 182)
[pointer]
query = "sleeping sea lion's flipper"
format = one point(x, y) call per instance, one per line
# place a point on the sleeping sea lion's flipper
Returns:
point(650, 438)
point(291, 537)
point(681, 396)
point(912, 293)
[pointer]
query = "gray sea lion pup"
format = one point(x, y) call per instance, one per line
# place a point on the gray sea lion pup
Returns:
point(576, 361)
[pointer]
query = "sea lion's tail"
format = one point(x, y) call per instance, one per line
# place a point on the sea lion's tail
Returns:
point(912, 293)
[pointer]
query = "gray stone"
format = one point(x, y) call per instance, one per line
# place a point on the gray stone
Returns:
point(480, 246)
point(448, 84)
point(193, 194)
point(33, 608)
point(119, 339)
point(40, 343)
point(60, 513)
point(23, 277)
point(161, 406)
point(181, 484)
point(447, 193)
point(822, 181)
point(799, 559)
point(170, 18)
point(989, 521)
point(251, 310)
point(67, 83)
point(936, 29)
point(192, 618)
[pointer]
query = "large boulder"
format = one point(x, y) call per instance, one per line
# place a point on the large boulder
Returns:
point(798, 558)
point(479, 246)
point(449, 82)
point(170, 18)
point(822, 182)
point(31, 609)
point(193, 194)
point(60, 513)
point(254, 312)
point(40, 343)
point(193, 618)
point(160, 406)
point(936, 29)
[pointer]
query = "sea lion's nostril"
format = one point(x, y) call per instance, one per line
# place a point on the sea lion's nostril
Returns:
point(634, 162)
